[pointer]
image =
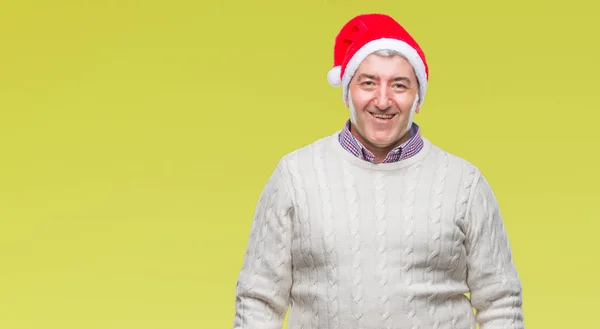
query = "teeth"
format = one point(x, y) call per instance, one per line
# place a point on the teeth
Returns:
point(383, 116)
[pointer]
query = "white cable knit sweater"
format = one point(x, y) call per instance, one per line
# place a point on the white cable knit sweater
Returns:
point(353, 245)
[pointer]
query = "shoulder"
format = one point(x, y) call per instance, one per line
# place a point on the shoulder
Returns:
point(306, 154)
point(473, 186)
point(468, 171)
point(290, 167)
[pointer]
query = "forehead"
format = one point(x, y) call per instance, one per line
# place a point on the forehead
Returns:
point(386, 66)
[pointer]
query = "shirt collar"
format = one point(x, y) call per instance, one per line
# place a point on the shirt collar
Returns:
point(403, 151)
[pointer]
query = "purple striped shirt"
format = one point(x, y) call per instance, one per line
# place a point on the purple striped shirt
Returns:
point(401, 152)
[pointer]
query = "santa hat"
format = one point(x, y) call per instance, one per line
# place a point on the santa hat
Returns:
point(366, 34)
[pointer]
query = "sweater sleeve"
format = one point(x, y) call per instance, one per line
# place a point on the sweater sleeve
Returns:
point(494, 284)
point(264, 282)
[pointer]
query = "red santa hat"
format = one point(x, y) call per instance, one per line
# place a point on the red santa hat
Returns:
point(366, 34)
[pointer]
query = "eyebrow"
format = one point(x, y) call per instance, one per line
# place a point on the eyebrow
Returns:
point(373, 77)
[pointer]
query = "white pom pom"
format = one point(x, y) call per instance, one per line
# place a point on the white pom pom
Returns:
point(333, 76)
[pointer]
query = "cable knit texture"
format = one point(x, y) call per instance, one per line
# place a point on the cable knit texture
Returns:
point(348, 244)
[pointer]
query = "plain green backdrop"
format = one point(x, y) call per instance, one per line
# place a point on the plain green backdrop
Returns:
point(135, 137)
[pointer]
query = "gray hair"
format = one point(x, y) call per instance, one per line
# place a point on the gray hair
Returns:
point(388, 53)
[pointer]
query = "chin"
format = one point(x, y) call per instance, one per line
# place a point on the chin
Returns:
point(383, 138)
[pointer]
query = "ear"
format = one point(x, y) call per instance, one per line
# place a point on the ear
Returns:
point(418, 106)
point(346, 101)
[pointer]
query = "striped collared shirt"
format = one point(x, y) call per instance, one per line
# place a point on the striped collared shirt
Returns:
point(401, 152)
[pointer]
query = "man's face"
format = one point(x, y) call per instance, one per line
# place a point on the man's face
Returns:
point(382, 100)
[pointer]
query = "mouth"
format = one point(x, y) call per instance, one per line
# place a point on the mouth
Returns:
point(381, 116)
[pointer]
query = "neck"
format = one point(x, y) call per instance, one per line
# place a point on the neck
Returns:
point(380, 152)
point(382, 166)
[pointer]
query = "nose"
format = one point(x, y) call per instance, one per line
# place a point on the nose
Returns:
point(382, 98)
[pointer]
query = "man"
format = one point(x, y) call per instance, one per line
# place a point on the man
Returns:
point(375, 227)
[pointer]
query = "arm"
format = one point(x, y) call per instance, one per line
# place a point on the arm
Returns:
point(264, 282)
point(493, 281)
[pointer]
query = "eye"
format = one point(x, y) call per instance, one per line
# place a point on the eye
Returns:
point(368, 85)
point(399, 86)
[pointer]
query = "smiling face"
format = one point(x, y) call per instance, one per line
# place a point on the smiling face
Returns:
point(382, 98)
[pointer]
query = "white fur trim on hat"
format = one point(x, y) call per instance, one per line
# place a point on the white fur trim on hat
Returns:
point(333, 76)
point(392, 44)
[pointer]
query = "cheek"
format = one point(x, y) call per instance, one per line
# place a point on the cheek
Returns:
point(362, 101)
point(404, 101)
point(357, 106)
